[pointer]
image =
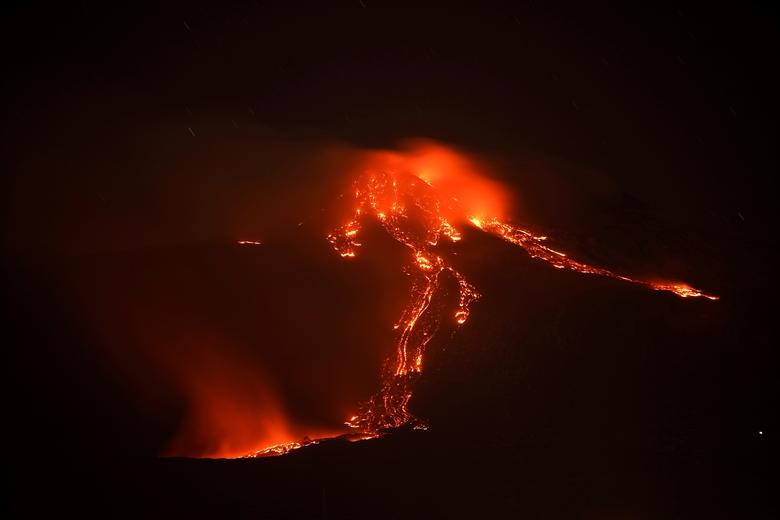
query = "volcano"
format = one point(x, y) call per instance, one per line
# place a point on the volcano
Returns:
point(419, 215)
point(528, 381)
point(507, 354)
point(519, 385)
point(362, 261)
point(339, 389)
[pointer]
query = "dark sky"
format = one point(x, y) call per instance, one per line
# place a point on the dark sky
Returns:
point(138, 125)
point(672, 102)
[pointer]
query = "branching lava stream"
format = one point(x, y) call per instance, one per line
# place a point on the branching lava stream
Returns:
point(415, 213)
point(419, 198)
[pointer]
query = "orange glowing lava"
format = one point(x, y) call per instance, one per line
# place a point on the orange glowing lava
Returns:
point(534, 246)
point(419, 197)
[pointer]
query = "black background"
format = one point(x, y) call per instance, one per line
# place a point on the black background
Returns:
point(643, 136)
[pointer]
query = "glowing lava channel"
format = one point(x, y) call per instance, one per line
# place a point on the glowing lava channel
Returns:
point(412, 212)
point(402, 202)
point(535, 247)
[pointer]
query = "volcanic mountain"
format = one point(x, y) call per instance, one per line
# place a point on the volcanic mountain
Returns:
point(558, 383)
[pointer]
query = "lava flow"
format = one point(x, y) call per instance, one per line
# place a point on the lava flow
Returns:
point(419, 198)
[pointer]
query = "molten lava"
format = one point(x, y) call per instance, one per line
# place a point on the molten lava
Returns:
point(535, 247)
point(419, 198)
point(409, 210)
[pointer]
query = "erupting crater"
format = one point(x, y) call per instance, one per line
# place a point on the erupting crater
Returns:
point(420, 198)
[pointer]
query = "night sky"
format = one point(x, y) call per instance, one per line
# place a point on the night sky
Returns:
point(140, 142)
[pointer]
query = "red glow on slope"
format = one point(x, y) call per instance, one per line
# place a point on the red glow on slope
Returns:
point(233, 409)
point(228, 418)
point(419, 197)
